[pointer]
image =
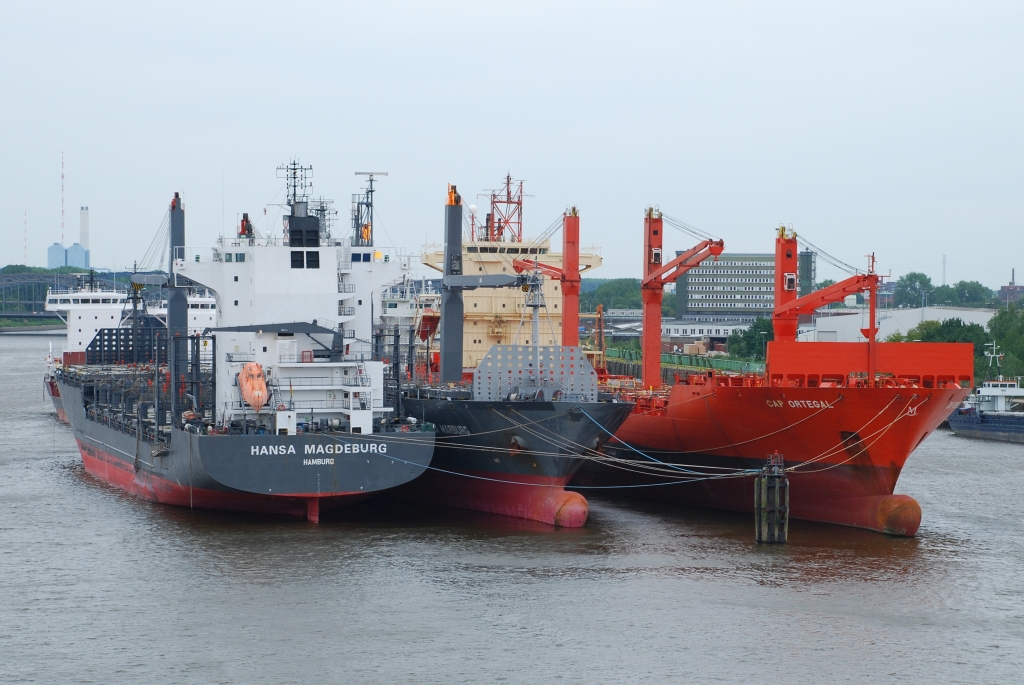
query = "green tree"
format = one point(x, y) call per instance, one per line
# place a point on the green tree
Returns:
point(945, 294)
point(973, 294)
point(911, 289)
point(620, 293)
point(1007, 329)
point(750, 343)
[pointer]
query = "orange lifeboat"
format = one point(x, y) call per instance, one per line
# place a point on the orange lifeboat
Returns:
point(253, 385)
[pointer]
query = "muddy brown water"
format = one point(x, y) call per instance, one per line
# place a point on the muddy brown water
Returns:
point(99, 587)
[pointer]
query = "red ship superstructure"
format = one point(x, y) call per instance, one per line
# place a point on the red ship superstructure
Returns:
point(846, 416)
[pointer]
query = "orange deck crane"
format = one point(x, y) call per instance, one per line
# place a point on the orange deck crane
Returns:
point(789, 307)
point(652, 288)
point(568, 275)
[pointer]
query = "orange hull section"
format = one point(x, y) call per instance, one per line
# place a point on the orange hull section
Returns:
point(846, 445)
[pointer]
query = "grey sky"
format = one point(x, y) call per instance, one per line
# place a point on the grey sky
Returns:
point(894, 128)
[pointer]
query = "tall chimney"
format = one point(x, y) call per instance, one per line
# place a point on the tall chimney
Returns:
point(83, 227)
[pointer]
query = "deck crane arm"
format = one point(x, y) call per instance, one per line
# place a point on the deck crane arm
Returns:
point(833, 293)
point(686, 261)
point(521, 265)
point(568, 276)
point(652, 288)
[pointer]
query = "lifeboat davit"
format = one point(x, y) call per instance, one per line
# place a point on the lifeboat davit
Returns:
point(253, 385)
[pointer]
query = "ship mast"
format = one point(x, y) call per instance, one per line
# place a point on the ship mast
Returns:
point(362, 211)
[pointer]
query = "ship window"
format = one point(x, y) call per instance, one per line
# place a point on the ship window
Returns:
point(471, 249)
point(52, 301)
point(236, 279)
point(313, 260)
point(106, 300)
point(392, 305)
point(264, 348)
point(236, 303)
point(204, 306)
point(298, 259)
point(74, 302)
point(513, 250)
point(213, 306)
point(239, 256)
point(227, 256)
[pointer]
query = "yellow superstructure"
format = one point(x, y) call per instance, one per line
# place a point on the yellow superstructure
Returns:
point(493, 315)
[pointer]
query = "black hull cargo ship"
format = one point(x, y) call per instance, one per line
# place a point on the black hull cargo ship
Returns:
point(509, 441)
point(512, 458)
point(300, 475)
point(274, 417)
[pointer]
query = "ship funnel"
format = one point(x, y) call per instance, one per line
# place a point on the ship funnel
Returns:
point(452, 310)
point(177, 302)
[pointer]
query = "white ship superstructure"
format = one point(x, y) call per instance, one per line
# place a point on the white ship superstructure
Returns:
point(305, 274)
point(89, 308)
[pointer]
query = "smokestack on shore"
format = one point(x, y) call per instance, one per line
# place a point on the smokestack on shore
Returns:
point(83, 227)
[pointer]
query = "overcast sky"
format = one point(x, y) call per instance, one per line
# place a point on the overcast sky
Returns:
point(890, 127)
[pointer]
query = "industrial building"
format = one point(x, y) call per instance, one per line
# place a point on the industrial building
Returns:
point(739, 287)
point(58, 256)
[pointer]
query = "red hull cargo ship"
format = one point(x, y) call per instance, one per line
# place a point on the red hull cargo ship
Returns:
point(845, 416)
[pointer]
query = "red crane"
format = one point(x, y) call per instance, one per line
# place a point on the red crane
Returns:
point(568, 275)
point(789, 307)
point(652, 288)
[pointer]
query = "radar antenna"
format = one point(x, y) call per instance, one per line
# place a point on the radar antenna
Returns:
point(362, 211)
point(297, 178)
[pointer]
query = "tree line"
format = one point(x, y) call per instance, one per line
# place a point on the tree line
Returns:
point(915, 289)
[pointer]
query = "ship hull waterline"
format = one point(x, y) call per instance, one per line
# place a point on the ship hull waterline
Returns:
point(297, 475)
point(512, 459)
point(846, 448)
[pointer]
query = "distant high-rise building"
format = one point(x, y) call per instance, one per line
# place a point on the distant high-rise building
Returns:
point(56, 256)
point(83, 227)
point(739, 285)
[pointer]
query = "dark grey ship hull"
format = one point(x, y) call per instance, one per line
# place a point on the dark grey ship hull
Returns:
point(1002, 426)
point(512, 458)
point(289, 474)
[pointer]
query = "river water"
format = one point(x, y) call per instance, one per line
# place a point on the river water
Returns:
point(99, 587)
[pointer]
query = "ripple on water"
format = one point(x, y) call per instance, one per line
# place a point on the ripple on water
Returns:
point(101, 586)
